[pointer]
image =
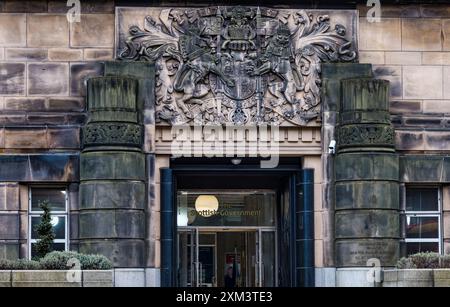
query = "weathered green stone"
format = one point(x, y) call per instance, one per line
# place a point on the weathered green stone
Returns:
point(367, 224)
point(365, 94)
point(424, 168)
point(9, 250)
point(127, 253)
point(332, 74)
point(112, 224)
point(112, 195)
point(367, 194)
point(112, 165)
point(367, 166)
point(112, 92)
point(356, 252)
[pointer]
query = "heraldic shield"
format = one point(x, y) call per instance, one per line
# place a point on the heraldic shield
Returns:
point(238, 65)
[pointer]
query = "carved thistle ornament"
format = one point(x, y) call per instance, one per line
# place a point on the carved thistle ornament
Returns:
point(238, 65)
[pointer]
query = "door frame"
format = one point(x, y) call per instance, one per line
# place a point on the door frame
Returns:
point(258, 230)
point(300, 272)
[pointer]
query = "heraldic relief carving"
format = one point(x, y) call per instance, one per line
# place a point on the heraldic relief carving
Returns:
point(239, 65)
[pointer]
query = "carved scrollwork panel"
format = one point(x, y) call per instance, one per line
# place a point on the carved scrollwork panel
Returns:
point(107, 133)
point(366, 135)
point(239, 65)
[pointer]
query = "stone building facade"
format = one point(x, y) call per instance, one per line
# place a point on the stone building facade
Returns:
point(90, 112)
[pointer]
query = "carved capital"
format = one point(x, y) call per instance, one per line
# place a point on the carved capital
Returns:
point(367, 135)
point(110, 133)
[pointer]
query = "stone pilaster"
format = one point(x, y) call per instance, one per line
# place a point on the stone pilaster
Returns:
point(113, 173)
point(366, 176)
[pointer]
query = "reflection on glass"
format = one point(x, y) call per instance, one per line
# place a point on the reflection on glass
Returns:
point(55, 197)
point(422, 199)
point(422, 227)
point(59, 229)
point(242, 208)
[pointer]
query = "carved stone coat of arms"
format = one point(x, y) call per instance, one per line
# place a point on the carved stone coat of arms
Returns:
point(239, 65)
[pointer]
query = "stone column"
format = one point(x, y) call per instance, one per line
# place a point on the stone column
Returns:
point(113, 173)
point(366, 176)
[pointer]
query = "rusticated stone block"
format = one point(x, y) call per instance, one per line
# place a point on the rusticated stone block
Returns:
point(367, 224)
point(434, 10)
point(25, 138)
point(112, 195)
point(37, 168)
point(46, 119)
point(112, 224)
point(94, 30)
point(65, 55)
point(372, 57)
point(422, 82)
point(437, 140)
point(436, 106)
point(24, 6)
point(98, 54)
point(112, 165)
point(79, 73)
point(421, 34)
point(409, 140)
point(393, 74)
point(9, 250)
point(26, 54)
point(9, 227)
point(9, 197)
point(403, 58)
point(423, 168)
point(71, 104)
point(384, 35)
point(64, 137)
point(123, 253)
point(405, 106)
point(356, 252)
point(436, 58)
point(12, 79)
point(48, 79)
point(367, 194)
point(356, 166)
point(24, 104)
point(16, 38)
point(47, 30)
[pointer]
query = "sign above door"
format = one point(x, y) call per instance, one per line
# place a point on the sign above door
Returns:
point(236, 65)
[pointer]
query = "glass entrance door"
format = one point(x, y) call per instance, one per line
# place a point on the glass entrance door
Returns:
point(227, 257)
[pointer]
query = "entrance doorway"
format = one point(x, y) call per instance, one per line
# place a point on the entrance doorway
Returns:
point(219, 219)
point(227, 257)
point(226, 238)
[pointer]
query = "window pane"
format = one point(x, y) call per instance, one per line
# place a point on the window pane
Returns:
point(56, 247)
point(59, 227)
point(419, 247)
point(55, 197)
point(422, 199)
point(422, 227)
